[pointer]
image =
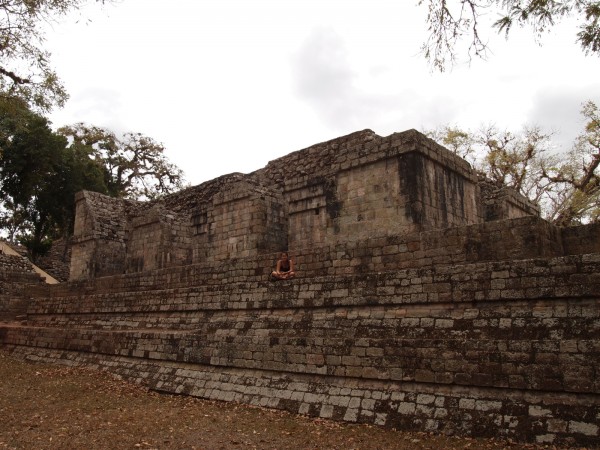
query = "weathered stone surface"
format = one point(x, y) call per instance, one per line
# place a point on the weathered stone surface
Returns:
point(352, 188)
point(16, 277)
point(409, 309)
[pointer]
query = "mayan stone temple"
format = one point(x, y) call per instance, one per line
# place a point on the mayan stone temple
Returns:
point(425, 297)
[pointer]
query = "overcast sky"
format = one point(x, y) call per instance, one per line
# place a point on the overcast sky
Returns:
point(228, 85)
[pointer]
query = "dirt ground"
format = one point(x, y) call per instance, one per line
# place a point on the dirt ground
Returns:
point(54, 407)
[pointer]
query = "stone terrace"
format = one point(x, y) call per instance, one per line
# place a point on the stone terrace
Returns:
point(495, 348)
point(483, 329)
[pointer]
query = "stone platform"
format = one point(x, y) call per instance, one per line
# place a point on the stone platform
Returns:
point(426, 298)
point(506, 348)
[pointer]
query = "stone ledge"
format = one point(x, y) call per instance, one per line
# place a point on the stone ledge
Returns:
point(509, 414)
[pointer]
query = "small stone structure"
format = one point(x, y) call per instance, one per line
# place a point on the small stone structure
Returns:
point(16, 276)
point(57, 261)
point(425, 298)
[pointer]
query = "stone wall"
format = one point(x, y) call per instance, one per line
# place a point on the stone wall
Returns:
point(582, 239)
point(16, 277)
point(425, 298)
point(424, 331)
point(351, 188)
point(57, 261)
point(363, 185)
point(242, 219)
point(99, 235)
point(156, 238)
point(231, 216)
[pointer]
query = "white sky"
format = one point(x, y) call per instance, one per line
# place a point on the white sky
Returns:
point(228, 85)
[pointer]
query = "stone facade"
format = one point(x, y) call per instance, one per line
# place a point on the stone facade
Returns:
point(57, 261)
point(16, 277)
point(232, 216)
point(351, 188)
point(426, 299)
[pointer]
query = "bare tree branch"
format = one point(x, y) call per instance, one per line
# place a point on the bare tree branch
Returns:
point(447, 31)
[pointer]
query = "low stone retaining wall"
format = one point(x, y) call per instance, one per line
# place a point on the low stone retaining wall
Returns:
point(506, 349)
point(486, 412)
point(16, 278)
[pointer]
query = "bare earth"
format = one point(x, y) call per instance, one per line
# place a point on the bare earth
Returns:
point(55, 407)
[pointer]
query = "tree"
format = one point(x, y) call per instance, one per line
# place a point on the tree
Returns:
point(450, 22)
point(565, 184)
point(516, 160)
point(12, 219)
point(135, 166)
point(460, 142)
point(507, 159)
point(39, 176)
point(579, 174)
point(77, 171)
point(25, 71)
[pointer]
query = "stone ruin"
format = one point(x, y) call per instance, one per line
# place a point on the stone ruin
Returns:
point(426, 298)
point(16, 276)
point(353, 188)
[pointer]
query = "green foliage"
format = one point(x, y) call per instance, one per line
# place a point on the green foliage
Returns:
point(40, 172)
point(25, 71)
point(12, 219)
point(39, 176)
point(35, 247)
point(452, 22)
point(589, 36)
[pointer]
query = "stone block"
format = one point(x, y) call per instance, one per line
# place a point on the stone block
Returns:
point(407, 408)
point(326, 412)
point(351, 415)
point(425, 399)
point(585, 428)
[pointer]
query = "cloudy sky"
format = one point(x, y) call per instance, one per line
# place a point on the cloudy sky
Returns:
point(228, 85)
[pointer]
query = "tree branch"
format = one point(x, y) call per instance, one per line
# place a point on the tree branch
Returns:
point(13, 76)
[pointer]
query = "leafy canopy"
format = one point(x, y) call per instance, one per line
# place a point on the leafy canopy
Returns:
point(41, 170)
point(39, 176)
point(579, 173)
point(25, 71)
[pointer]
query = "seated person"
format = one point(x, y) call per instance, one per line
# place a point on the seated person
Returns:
point(284, 269)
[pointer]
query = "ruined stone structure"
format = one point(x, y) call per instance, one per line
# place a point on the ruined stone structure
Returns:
point(57, 261)
point(425, 298)
point(356, 187)
point(16, 277)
